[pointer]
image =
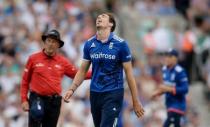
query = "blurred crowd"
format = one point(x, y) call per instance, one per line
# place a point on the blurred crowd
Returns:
point(22, 23)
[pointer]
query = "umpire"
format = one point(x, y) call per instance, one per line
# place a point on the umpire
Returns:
point(42, 80)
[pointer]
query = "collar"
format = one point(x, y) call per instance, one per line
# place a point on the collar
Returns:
point(172, 68)
point(109, 38)
point(49, 57)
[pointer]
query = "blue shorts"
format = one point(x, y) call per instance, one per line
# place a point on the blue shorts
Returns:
point(106, 107)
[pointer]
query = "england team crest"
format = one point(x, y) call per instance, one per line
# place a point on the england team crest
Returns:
point(111, 45)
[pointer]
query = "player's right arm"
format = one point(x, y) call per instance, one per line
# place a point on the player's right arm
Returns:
point(80, 76)
point(78, 79)
point(25, 85)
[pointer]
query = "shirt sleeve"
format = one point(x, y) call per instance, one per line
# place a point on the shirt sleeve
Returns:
point(125, 54)
point(70, 69)
point(26, 78)
point(182, 83)
point(88, 75)
point(86, 53)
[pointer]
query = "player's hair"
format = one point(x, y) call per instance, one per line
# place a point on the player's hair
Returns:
point(111, 20)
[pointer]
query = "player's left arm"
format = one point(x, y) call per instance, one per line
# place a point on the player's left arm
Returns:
point(130, 79)
point(182, 83)
point(133, 88)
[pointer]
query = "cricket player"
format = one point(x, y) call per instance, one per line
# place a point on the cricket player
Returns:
point(175, 88)
point(109, 55)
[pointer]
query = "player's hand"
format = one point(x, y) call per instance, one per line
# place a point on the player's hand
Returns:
point(68, 95)
point(138, 109)
point(25, 106)
point(166, 88)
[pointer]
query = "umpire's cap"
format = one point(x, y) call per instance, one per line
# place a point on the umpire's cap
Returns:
point(54, 34)
point(172, 52)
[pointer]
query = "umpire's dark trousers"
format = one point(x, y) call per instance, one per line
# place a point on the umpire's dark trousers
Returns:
point(51, 105)
point(106, 107)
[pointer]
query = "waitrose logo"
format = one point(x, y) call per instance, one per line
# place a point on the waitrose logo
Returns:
point(102, 55)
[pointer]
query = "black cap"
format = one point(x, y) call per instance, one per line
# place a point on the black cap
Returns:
point(54, 34)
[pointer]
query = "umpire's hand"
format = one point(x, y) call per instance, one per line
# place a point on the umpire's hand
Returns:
point(25, 106)
point(68, 95)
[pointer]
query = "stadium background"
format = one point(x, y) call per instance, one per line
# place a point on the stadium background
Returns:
point(150, 26)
